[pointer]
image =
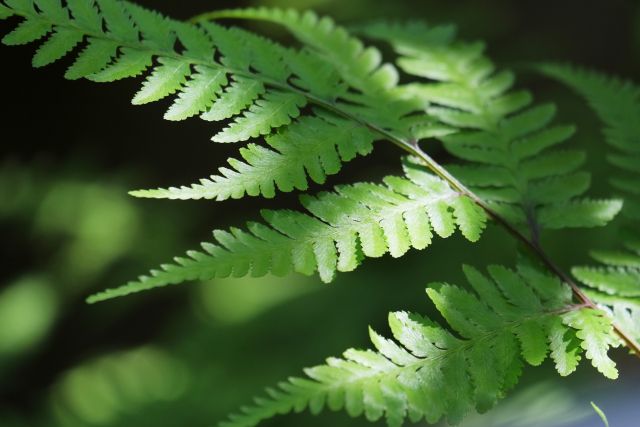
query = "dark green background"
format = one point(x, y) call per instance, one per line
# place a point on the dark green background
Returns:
point(193, 353)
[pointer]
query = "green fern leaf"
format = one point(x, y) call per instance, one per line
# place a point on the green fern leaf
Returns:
point(430, 372)
point(617, 104)
point(505, 145)
point(357, 66)
point(221, 73)
point(505, 141)
point(198, 94)
point(28, 31)
point(361, 67)
point(274, 110)
point(117, 21)
point(130, 63)
point(564, 348)
point(596, 332)
point(97, 55)
point(121, 40)
point(21, 6)
point(238, 96)
point(612, 280)
point(156, 30)
point(312, 147)
point(618, 258)
point(165, 80)
point(626, 313)
point(86, 14)
point(620, 275)
point(355, 220)
point(5, 12)
point(54, 9)
point(580, 213)
point(61, 42)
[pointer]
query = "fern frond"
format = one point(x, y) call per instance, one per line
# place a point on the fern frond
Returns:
point(617, 104)
point(506, 143)
point(237, 97)
point(619, 274)
point(198, 94)
point(311, 148)
point(124, 40)
point(220, 73)
point(275, 110)
point(342, 227)
point(616, 282)
point(430, 371)
point(361, 67)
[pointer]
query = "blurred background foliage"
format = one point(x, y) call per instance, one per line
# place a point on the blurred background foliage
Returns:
point(186, 356)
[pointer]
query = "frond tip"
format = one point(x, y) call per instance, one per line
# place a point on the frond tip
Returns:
point(343, 227)
point(430, 372)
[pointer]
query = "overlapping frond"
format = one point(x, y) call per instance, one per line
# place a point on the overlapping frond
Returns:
point(360, 66)
point(617, 104)
point(221, 73)
point(429, 371)
point(342, 227)
point(507, 143)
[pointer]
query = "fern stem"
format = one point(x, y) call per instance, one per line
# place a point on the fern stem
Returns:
point(531, 244)
point(414, 149)
point(628, 340)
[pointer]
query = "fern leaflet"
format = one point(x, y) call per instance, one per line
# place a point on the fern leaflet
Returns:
point(361, 67)
point(431, 372)
point(311, 148)
point(354, 221)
